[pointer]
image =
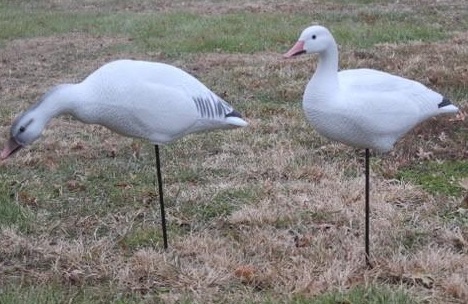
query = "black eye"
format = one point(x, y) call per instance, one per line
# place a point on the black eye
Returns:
point(22, 129)
point(313, 37)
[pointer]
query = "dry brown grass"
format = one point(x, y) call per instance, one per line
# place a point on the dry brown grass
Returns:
point(300, 233)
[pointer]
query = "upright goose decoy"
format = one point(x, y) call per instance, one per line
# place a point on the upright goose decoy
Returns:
point(153, 101)
point(363, 108)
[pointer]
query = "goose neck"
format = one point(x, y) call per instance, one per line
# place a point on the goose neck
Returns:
point(57, 101)
point(327, 67)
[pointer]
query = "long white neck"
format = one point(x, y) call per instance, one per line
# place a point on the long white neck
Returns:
point(324, 82)
point(327, 68)
point(57, 101)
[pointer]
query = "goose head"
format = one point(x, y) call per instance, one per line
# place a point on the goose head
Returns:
point(25, 130)
point(28, 127)
point(314, 39)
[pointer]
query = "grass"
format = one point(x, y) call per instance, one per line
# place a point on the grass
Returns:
point(12, 212)
point(371, 294)
point(233, 33)
point(438, 177)
point(56, 294)
point(52, 295)
point(268, 214)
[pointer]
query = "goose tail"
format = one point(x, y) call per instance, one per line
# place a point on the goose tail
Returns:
point(446, 106)
point(234, 118)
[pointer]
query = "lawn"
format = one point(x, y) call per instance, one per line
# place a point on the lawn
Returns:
point(272, 213)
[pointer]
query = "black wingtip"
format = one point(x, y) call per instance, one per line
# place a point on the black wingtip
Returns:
point(445, 102)
point(234, 113)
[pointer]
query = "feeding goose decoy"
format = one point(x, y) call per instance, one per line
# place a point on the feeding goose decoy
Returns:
point(363, 108)
point(153, 101)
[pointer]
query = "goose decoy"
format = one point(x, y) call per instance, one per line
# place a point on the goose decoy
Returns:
point(153, 101)
point(363, 108)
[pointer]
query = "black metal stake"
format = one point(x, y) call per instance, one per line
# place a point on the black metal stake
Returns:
point(161, 197)
point(367, 211)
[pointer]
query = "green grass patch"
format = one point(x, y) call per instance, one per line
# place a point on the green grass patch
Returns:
point(222, 203)
point(369, 35)
point(55, 294)
point(232, 33)
point(21, 24)
point(452, 217)
point(52, 294)
point(12, 213)
point(143, 237)
point(370, 295)
point(437, 177)
point(246, 33)
point(413, 240)
point(373, 294)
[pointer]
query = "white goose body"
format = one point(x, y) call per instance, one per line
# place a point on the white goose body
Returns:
point(363, 108)
point(153, 101)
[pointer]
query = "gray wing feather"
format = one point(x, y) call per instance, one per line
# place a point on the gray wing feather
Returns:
point(212, 107)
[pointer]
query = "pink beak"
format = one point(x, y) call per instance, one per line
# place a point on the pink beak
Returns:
point(11, 147)
point(297, 49)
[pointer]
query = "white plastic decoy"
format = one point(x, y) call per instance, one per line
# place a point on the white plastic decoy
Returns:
point(363, 108)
